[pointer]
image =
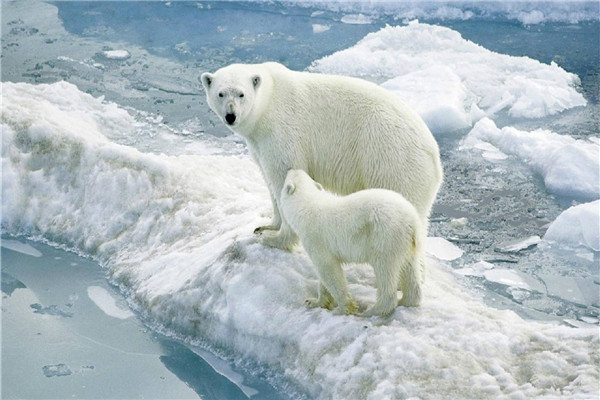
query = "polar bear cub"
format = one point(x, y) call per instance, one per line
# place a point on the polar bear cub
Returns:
point(375, 226)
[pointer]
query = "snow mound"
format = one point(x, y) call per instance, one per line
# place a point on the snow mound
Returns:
point(458, 81)
point(175, 234)
point(577, 226)
point(569, 166)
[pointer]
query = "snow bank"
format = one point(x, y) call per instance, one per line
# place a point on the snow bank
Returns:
point(175, 233)
point(577, 226)
point(569, 166)
point(451, 81)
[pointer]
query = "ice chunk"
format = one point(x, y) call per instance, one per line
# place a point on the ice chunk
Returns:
point(459, 222)
point(19, 247)
point(442, 249)
point(116, 54)
point(515, 246)
point(319, 28)
point(442, 105)
point(56, 370)
point(569, 166)
point(454, 74)
point(107, 303)
point(357, 19)
point(506, 277)
point(577, 226)
point(477, 269)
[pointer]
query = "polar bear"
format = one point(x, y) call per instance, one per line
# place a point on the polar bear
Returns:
point(375, 226)
point(347, 133)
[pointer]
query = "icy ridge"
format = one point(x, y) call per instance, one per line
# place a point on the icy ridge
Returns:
point(452, 82)
point(569, 166)
point(175, 231)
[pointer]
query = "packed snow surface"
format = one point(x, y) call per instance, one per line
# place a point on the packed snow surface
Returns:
point(569, 166)
point(577, 226)
point(453, 82)
point(175, 233)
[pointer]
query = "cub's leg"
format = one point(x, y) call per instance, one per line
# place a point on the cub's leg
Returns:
point(325, 300)
point(386, 278)
point(331, 275)
point(411, 280)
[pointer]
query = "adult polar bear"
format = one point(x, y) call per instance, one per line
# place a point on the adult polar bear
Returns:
point(346, 133)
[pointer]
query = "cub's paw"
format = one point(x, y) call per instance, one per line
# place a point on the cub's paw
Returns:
point(347, 309)
point(379, 310)
point(313, 302)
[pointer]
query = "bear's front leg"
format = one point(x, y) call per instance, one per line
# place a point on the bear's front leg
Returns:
point(275, 224)
point(285, 238)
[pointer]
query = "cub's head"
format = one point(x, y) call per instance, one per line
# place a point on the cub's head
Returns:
point(298, 181)
point(231, 92)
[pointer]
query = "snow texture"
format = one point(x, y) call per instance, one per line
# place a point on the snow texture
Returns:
point(569, 167)
point(175, 233)
point(577, 226)
point(452, 82)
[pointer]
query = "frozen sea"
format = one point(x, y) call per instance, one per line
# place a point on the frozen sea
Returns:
point(129, 268)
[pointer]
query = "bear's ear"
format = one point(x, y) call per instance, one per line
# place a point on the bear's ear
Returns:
point(206, 79)
point(319, 186)
point(290, 188)
point(256, 81)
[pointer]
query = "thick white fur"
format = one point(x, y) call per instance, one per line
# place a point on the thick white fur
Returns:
point(347, 133)
point(374, 226)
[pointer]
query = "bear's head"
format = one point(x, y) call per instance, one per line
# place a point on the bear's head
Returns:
point(231, 92)
point(298, 181)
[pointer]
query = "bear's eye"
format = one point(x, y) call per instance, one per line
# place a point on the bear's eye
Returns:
point(220, 94)
point(241, 95)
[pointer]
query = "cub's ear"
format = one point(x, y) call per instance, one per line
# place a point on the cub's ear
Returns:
point(256, 81)
point(207, 80)
point(319, 186)
point(290, 188)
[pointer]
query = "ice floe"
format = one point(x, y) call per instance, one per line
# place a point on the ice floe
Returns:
point(569, 166)
point(175, 234)
point(577, 226)
point(462, 80)
point(107, 303)
point(442, 249)
point(19, 247)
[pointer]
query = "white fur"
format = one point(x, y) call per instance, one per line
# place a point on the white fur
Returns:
point(374, 226)
point(347, 133)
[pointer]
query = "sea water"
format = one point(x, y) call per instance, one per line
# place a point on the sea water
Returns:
point(123, 162)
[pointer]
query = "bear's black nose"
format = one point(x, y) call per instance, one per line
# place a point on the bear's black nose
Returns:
point(230, 118)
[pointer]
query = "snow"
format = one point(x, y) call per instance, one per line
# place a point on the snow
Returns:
point(175, 232)
point(107, 303)
point(577, 226)
point(569, 166)
point(451, 82)
point(442, 249)
point(19, 247)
